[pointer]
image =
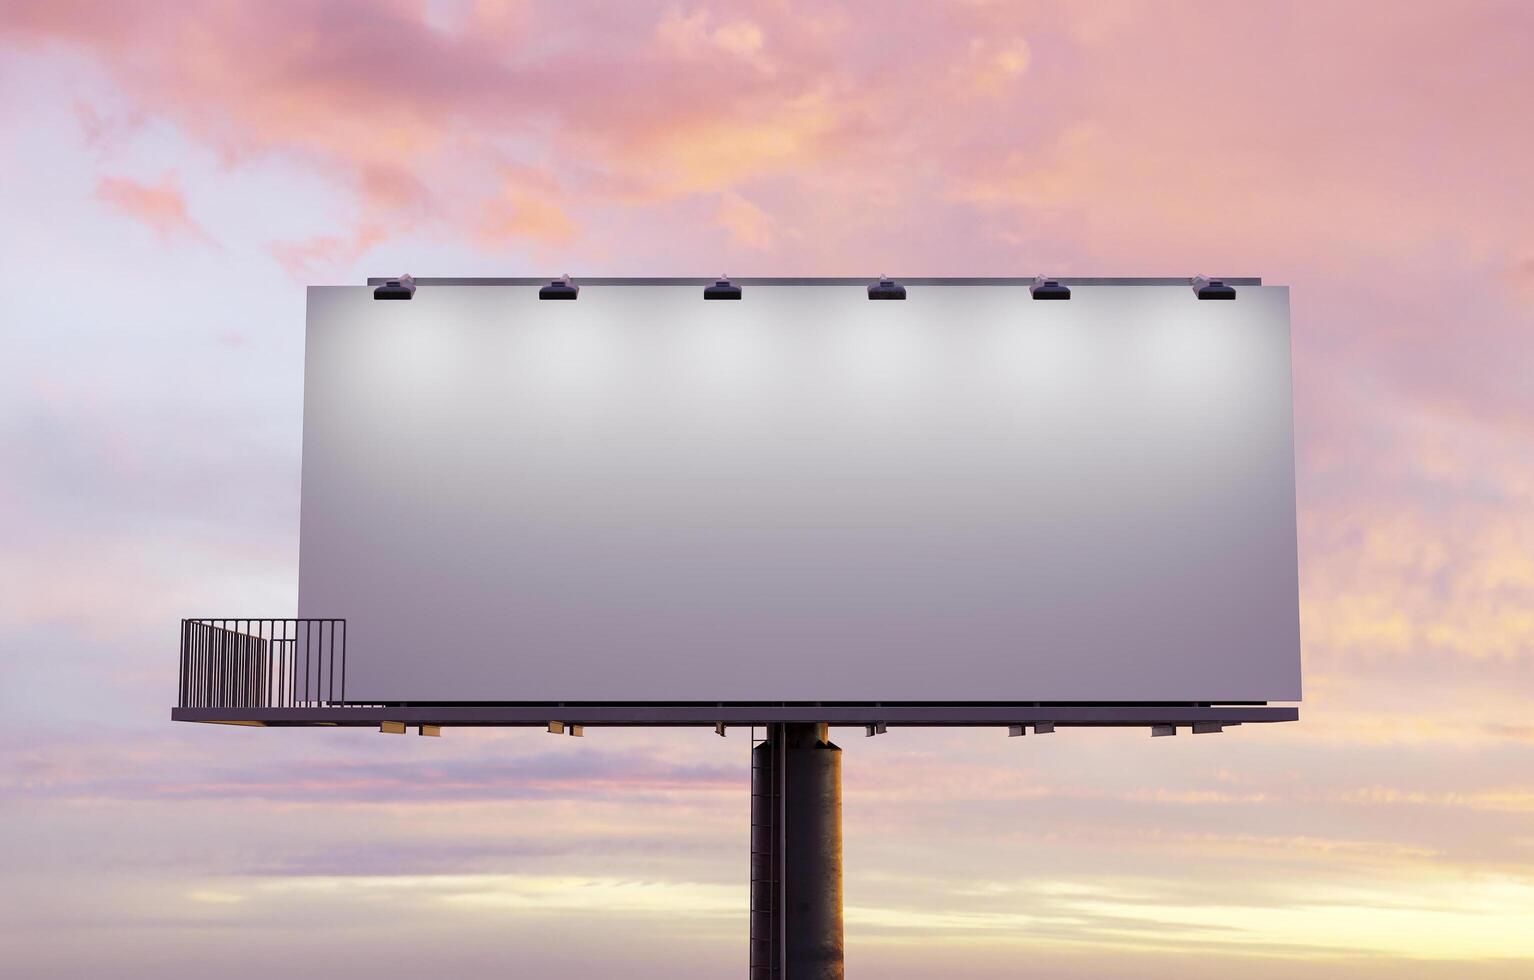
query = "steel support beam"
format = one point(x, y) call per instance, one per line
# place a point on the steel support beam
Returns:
point(796, 855)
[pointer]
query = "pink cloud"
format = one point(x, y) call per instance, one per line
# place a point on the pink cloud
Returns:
point(320, 254)
point(971, 110)
point(396, 109)
point(161, 207)
point(1372, 161)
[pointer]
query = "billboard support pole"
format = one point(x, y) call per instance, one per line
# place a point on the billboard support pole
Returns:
point(796, 855)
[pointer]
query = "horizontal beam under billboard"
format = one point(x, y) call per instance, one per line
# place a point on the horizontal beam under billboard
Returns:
point(687, 716)
point(815, 281)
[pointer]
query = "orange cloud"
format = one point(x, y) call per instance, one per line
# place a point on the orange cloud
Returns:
point(747, 224)
point(529, 204)
point(993, 65)
point(527, 215)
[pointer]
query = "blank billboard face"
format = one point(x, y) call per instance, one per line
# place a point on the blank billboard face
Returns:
point(968, 496)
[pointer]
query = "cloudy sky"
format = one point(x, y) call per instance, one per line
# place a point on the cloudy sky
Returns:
point(173, 175)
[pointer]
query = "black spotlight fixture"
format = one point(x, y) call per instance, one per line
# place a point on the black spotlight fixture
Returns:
point(722, 289)
point(561, 288)
point(886, 288)
point(401, 288)
point(1043, 288)
point(1206, 288)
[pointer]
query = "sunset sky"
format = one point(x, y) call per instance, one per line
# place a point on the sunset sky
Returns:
point(172, 175)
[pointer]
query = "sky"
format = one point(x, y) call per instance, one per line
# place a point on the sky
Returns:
point(174, 175)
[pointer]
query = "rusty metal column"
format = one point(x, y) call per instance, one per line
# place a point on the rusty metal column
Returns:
point(796, 856)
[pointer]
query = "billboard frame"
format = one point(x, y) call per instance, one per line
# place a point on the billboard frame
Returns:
point(342, 713)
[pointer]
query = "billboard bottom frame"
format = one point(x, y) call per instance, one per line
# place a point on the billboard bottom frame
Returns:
point(696, 715)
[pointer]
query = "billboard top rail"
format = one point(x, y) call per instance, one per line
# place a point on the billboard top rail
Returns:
point(814, 281)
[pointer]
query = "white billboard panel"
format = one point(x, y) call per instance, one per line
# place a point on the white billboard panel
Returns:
point(967, 496)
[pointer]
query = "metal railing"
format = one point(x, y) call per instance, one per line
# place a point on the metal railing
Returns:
point(262, 663)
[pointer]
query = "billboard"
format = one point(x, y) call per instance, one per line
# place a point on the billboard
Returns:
point(803, 496)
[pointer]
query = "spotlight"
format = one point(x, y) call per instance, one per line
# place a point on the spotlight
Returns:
point(1206, 288)
point(886, 288)
point(556, 728)
point(722, 289)
point(1043, 288)
point(392, 728)
point(1207, 727)
point(431, 731)
point(1017, 731)
point(1043, 728)
point(719, 729)
point(1157, 731)
point(401, 288)
point(877, 728)
point(561, 288)
point(577, 730)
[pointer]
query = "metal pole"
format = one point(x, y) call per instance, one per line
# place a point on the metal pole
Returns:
point(796, 889)
point(766, 937)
